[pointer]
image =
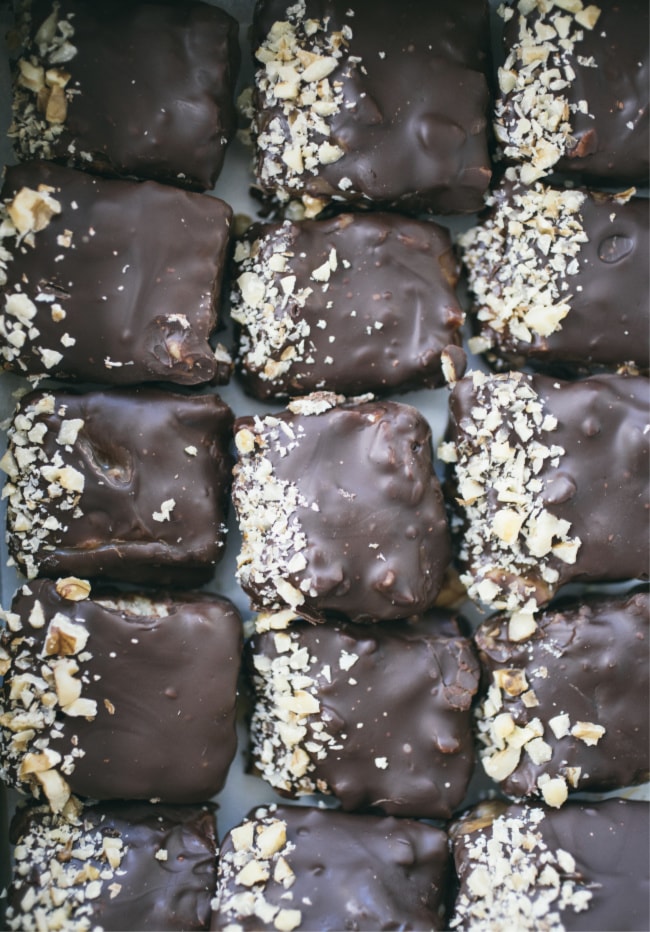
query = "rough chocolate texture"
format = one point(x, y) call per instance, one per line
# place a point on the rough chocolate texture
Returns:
point(149, 94)
point(372, 306)
point(598, 851)
point(161, 879)
point(349, 872)
point(559, 278)
point(123, 282)
point(173, 737)
point(410, 103)
point(127, 484)
point(607, 70)
point(585, 681)
point(392, 723)
point(550, 481)
point(340, 510)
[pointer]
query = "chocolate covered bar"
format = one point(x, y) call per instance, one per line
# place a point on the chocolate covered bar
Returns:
point(378, 717)
point(549, 484)
point(574, 89)
point(567, 707)
point(362, 302)
point(340, 509)
point(109, 281)
point(559, 277)
point(529, 868)
point(287, 868)
point(121, 866)
point(114, 695)
point(369, 102)
point(138, 89)
point(126, 484)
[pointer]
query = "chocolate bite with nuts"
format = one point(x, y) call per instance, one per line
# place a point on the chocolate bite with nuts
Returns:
point(574, 89)
point(362, 302)
point(109, 281)
point(566, 708)
point(340, 509)
point(129, 484)
point(120, 866)
point(548, 484)
point(377, 716)
point(529, 868)
point(287, 868)
point(558, 278)
point(72, 721)
point(346, 109)
point(138, 89)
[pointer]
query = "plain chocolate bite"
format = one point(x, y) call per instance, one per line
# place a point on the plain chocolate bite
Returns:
point(548, 484)
point(287, 868)
point(574, 89)
point(138, 89)
point(129, 484)
point(529, 868)
point(340, 510)
point(566, 708)
point(558, 277)
point(373, 103)
point(120, 866)
point(74, 723)
point(378, 716)
point(362, 302)
point(109, 281)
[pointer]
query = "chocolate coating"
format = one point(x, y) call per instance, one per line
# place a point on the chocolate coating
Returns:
point(609, 842)
point(411, 115)
point(393, 727)
point(587, 660)
point(340, 510)
point(378, 321)
point(152, 87)
point(589, 469)
point(144, 892)
point(145, 494)
point(611, 70)
point(605, 287)
point(351, 872)
point(133, 297)
point(173, 738)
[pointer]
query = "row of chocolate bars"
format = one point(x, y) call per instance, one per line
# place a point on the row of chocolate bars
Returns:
point(113, 694)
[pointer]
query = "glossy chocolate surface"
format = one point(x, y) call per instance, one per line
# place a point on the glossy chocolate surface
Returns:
point(607, 323)
point(358, 525)
point(372, 307)
point(611, 69)
point(590, 470)
point(152, 90)
point(587, 663)
point(394, 725)
point(412, 121)
point(349, 872)
point(133, 296)
point(607, 841)
point(163, 882)
point(154, 473)
point(162, 672)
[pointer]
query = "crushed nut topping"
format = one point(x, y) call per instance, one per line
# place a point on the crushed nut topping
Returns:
point(43, 491)
point(533, 117)
point(508, 533)
point(260, 860)
point(42, 92)
point(520, 262)
point(514, 881)
point(297, 60)
point(64, 853)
